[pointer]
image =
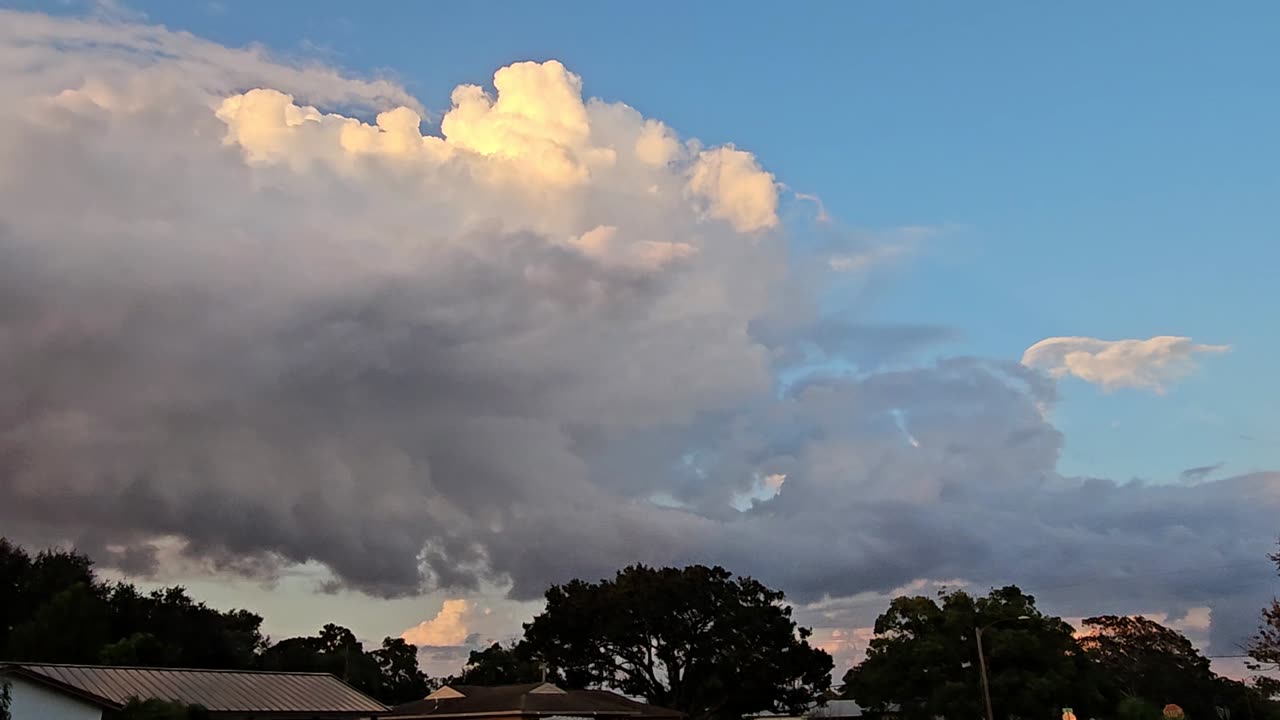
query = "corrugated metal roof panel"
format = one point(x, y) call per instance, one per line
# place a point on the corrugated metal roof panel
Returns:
point(216, 690)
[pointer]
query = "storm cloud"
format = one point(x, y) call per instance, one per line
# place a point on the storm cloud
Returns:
point(256, 312)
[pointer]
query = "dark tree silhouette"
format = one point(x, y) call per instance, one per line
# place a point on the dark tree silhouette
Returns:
point(695, 639)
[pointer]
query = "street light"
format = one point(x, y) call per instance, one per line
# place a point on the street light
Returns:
point(982, 660)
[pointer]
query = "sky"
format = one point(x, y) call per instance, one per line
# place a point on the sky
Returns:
point(392, 318)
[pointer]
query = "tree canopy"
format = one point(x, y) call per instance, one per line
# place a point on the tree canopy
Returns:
point(53, 608)
point(1138, 657)
point(501, 664)
point(924, 658)
point(1264, 647)
point(695, 639)
point(156, 709)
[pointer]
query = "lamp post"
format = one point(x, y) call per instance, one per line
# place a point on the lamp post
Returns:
point(982, 660)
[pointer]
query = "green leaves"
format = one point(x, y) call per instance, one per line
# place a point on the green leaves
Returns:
point(53, 608)
point(153, 709)
point(924, 658)
point(696, 639)
point(505, 665)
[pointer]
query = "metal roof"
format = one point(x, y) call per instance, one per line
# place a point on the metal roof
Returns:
point(531, 700)
point(216, 690)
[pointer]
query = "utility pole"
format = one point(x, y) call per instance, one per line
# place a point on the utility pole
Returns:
point(982, 668)
point(982, 661)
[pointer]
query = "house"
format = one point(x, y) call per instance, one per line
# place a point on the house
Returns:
point(94, 692)
point(834, 709)
point(531, 701)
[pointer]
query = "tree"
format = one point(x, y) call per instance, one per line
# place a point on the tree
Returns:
point(1136, 708)
point(6, 700)
point(1264, 647)
point(924, 659)
point(52, 602)
point(695, 639)
point(401, 680)
point(157, 709)
point(389, 673)
point(1141, 658)
point(69, 627)
point(505, 665)
point(53, 608)
point(168, 628)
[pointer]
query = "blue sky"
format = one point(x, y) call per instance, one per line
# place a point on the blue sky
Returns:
point(1101, 170)
point(1095, 169)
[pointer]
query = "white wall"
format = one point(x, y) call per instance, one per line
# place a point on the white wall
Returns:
point(35, 702)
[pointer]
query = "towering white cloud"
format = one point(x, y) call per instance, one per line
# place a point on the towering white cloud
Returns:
point(1147, 364)
point(447, 628)
point(257, 312)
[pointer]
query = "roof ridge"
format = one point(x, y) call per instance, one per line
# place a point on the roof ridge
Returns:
point(153, 668)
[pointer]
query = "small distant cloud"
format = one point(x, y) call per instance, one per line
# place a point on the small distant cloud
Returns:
point(116, 11)
point(822, 217)
point(883, 248)
point(1196, 474)
point(1145, 364)
point(447, 628)
point(862, 261)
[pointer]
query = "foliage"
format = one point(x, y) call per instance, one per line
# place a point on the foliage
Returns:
point(401, 680)
point(6, 700)
point(155, 709)
point(1135, 708)
point(1264, 647)
point(1141, 658)
point(695, 639)
point(924, 658)
point(53, 608)
point(389, 673)
point(505, 665)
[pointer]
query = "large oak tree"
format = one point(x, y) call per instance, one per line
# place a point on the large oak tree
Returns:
point(696, 639)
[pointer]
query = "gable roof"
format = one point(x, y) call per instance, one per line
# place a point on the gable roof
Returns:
point(234, 691)
point(542, 700)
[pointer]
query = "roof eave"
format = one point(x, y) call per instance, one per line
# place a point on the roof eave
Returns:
point(59, 686)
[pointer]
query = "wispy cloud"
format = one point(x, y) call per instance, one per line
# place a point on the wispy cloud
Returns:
point(1146, 364)
point(1196, 474)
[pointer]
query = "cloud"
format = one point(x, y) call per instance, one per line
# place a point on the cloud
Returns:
point(1196, 474)
point(735, 188)
point(1146, 364)
point(448, 628)
point(253, 316)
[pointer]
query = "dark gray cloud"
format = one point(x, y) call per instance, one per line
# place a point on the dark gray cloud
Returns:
point(412, 376)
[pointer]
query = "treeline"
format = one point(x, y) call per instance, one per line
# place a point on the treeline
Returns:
point(54, 608)
point(923, 662)
point(697, 639)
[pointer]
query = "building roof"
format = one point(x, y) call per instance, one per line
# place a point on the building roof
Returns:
point(837, 709)
point(541, 700)
point(832, 710)
point(219, 691)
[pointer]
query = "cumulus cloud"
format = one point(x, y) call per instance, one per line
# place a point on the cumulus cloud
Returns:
point(1146, 364)
point(447, 628)
point(252, 314)
point(735, 188)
